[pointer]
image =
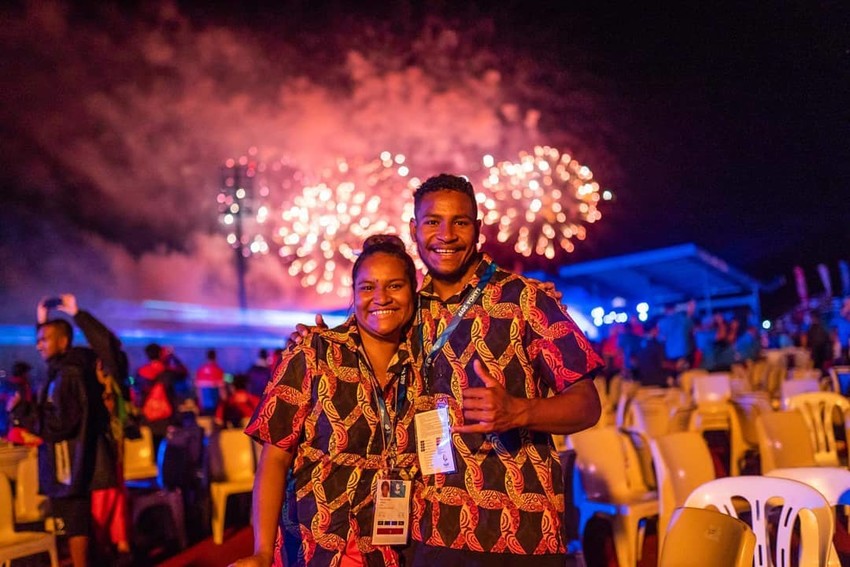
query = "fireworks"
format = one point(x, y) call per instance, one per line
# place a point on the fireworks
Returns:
point(539, 203)
point(318, 232)
point(316, 224)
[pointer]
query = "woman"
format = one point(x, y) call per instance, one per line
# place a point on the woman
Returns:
point(320, 417)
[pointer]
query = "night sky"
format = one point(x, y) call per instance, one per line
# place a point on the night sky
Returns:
point(719, 125)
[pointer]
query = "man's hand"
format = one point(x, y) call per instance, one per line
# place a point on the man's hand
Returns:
point(547, 287)
point(69, 304)
point(492, 407)
point(301, 331)
point(41, 311)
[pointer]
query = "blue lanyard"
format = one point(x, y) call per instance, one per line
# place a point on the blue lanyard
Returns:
point(467, 304)
point(387, 425)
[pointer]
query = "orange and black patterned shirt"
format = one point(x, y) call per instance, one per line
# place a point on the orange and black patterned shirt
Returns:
point(320, 406)
point(507, 494)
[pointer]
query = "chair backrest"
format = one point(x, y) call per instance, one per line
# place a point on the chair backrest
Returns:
point(700, 537)
point(29, 504)
point(804, 374)
point(784, 441)
point(763, 493)
point(840, 377)
point(139, 452)
point(712, 388)
point(649, 416)
point(682, 463)
point(236, 454)
point(686, 379)
point(819, 410)
point(790, 388)
point(832, 482)
point(608, 464)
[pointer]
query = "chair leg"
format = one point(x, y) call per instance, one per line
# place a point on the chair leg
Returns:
point(625, 540)
point(219, 508)
point(54, 556)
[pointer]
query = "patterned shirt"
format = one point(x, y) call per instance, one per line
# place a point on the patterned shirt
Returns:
point(321, 407)
point(507, 494)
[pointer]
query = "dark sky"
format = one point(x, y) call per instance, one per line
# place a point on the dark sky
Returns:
point(721, 124)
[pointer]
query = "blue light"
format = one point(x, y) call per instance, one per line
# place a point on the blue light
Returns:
point(765, 324)
point(597, 312)
point(642, 307)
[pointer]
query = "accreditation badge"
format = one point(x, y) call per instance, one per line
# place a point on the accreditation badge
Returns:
point(434, 441)
point(392, 512)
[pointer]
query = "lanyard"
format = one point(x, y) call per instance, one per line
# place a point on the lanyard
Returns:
point(441, 341)
point(387, 425)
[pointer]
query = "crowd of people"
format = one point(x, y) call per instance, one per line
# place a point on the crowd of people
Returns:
point(90, 402)
point(653, 353)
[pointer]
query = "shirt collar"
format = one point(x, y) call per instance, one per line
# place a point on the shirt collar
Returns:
point(348, 335)
point(428, 283)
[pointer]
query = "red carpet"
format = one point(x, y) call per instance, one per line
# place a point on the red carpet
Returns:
point(238, 542)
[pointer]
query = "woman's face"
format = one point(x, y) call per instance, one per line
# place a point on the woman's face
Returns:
point(383, 296)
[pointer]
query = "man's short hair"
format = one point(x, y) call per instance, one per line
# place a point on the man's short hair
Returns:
point(445, 182)
point(153, 351)
point(62, 326)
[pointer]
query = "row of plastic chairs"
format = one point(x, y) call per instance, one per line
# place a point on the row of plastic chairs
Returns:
point(26, 506)
point(704, 538)
point(610, 479)
point(232, 461)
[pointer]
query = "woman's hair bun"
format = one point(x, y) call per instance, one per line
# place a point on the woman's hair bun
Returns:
point(384, 242)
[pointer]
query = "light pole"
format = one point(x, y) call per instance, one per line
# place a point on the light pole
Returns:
point(234, 202)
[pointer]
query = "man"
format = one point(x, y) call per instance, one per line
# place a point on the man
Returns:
point(676, 332)
point(514, 346)
point(70, 417)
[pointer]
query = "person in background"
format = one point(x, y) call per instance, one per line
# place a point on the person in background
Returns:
point(259, 373)
point(818, 342)
point(154, 392)
point(676, 333)
point(238, 406)
point(18, 391)
point(651, 364)
point(209, 384)
point(842, 327)
point(69, 415)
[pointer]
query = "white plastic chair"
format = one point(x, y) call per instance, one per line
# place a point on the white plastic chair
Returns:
point(832, 482)
point(30, 506)
point(236, 454)
point(818, 409)
point(139, 457)
point(798, 500)
point(608, 481)
point(790, 388)
point(14, 545)
point(784, 441)
point(715, 412)
point(682, 462)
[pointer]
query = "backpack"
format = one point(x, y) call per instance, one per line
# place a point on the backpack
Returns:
point(157, 406)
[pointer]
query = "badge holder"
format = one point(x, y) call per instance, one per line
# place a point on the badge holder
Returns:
point(392, 512)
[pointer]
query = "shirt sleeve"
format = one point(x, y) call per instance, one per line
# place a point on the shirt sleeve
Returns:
point(558, 349)
point(286, 403)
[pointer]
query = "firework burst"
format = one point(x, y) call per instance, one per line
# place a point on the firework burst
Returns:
point(539, 203)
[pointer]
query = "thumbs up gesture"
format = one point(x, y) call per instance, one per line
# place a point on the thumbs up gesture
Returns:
point(490, 409)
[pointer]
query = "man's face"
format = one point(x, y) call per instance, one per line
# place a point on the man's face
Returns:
point(50, 342)
point(446, 231)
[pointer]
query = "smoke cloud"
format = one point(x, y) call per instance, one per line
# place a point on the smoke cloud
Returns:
point(115, 124)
